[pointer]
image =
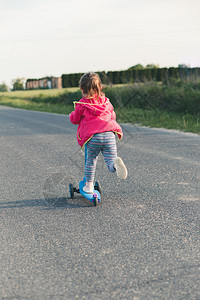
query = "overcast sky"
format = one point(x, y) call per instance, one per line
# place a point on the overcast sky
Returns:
point(53, 37)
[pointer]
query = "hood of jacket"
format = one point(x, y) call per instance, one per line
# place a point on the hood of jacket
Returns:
point(94, 106)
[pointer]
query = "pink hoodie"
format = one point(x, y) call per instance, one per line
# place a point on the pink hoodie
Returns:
point(94, 116)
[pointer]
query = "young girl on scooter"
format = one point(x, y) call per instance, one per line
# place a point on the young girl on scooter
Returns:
point(97, 128)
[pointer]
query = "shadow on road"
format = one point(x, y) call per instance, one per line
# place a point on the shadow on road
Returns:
point(51, 203)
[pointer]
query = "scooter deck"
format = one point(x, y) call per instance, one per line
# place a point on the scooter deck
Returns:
point(89, 197)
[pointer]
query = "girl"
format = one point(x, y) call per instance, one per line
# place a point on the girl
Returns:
point(97, 127)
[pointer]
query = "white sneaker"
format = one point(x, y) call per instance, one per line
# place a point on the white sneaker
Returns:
point(88, 188)
point(120, 167)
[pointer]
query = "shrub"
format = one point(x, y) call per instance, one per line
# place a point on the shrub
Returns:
point(3, 87)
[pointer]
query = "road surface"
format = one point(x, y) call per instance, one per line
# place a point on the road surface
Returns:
point(141, 242)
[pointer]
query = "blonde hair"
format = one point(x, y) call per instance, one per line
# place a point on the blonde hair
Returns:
point(90, 84)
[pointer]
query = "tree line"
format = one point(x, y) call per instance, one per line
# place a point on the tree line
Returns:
point(134, 75)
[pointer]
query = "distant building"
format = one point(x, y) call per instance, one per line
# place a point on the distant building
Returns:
point(44, 83)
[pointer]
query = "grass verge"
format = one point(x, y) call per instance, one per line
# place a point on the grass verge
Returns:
point(31, 105)
point(160, 119)
point(140, 108)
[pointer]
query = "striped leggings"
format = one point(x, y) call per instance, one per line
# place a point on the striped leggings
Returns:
point(101, 142)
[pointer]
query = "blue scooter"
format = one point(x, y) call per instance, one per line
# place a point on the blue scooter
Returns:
point(95, 197)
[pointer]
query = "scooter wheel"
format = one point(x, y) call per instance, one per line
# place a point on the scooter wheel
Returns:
point(97, 186)
point(71, 191)
point(95, 201)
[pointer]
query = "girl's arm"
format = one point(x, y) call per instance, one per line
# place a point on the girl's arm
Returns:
point(113, 116)
point(76, 115)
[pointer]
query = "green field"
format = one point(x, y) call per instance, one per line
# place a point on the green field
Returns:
point(175, 106)
point(34, 100)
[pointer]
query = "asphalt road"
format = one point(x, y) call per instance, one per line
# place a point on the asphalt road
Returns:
point(141, 242)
